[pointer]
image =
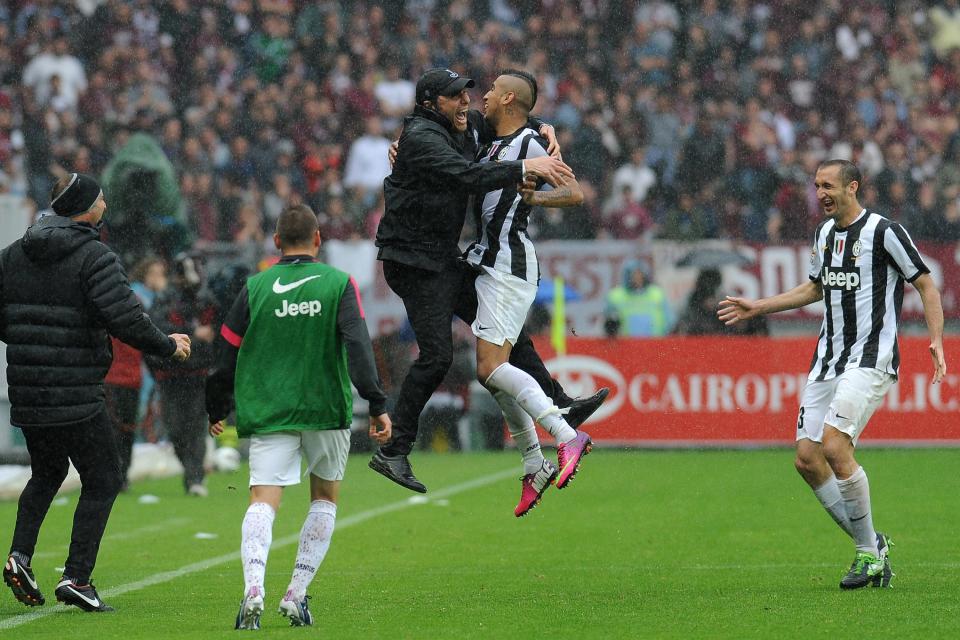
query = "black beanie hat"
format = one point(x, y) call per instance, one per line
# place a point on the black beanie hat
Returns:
point(78, 197)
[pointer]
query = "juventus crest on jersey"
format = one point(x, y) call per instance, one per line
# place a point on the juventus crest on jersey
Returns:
point(502, 240)
point(862, 270)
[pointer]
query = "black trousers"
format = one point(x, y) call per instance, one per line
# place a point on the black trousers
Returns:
point(92, 447)
point(184, 412)
point(122, 406)
point(432, 299)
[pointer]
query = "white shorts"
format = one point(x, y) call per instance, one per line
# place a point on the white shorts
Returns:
point(275, 457)
point(845, 402)
point(503, 301)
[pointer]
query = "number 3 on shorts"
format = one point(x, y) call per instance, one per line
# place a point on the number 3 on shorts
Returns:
point(800, 420)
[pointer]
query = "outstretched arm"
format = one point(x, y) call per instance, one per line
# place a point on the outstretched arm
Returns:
point(933, 311)
point(733, 310)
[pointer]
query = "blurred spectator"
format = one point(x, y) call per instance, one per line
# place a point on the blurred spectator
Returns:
point(188, 306)
point(589, 154)
point(663, 130)
point(703, 157)
point(55, 72)
point(951, 222)
point(638, 307)
point(367, 162)
point(625, 218)
point(636, 175)
point(334, 222)
point(700, 316)
point(898, 170)
point(927, 217)
point(148, 279)
point(687, 220)
point(396, 96)
point(124, 386)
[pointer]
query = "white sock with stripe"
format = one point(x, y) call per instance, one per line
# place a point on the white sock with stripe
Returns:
point(528, 394)
point(522, 430)
point(256, 536)
point(315, 536)
point(856, 497)
point(829, 496)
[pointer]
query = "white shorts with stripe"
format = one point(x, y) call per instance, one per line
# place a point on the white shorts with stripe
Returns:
point(844, 402)
point(275, 458)
point(503, 301)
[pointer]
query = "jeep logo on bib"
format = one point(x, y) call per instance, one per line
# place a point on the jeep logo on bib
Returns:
point(846, 278)
point(305, 308)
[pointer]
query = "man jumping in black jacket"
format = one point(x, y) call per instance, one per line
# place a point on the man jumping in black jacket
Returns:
point(425, 206)
point(62, 294)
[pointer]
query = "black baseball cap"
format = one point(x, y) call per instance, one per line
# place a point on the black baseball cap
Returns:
point(441, 82)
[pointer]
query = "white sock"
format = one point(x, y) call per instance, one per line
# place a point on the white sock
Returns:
point(522, 430)
point(256, 536)
point(315, 538)
point(856, 497)
point(829, 496)
point(528, 394)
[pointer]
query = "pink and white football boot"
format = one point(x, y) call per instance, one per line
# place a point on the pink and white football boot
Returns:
point(533, 486)
point(569, 455)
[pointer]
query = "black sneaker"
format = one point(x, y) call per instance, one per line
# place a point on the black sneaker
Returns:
point(83, 596)
point(397, 468)
point(19, 578)
point(579, 410)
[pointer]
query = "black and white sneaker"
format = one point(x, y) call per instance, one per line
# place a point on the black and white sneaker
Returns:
point(398, 469)
point(581, 409)
point(83, 596)
point(21, 581)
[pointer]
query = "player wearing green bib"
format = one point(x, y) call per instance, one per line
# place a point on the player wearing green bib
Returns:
point(292, 343)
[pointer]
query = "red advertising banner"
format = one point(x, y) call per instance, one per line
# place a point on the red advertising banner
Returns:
point(730, 391)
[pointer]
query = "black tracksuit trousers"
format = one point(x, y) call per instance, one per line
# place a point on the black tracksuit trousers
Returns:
point(92, 447)
point(432, 299)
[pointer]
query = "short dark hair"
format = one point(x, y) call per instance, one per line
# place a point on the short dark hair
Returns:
point(529, 79)
point(848, 171)
point(296, 225)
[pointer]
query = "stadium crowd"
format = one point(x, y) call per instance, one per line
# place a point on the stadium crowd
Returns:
point(683, 120)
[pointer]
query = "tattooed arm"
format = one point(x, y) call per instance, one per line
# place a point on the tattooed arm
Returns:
point(565, 194)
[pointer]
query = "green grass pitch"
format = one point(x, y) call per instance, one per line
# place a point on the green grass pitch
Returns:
point(643, 544)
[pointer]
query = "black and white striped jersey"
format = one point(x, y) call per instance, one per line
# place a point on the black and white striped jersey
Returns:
point(502, 241)
point(862, 270)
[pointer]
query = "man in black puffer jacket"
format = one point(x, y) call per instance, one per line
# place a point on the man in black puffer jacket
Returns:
point(62, 294)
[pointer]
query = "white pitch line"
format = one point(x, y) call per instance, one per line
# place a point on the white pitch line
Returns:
point(203, 565)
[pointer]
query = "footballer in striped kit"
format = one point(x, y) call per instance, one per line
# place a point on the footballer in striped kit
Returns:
point(859, 264)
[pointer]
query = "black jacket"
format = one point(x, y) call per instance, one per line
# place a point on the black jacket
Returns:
point(179, 310)
point(426, 194)
point(62, 292)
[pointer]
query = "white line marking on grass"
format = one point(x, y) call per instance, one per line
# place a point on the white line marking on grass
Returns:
point(203, 565)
